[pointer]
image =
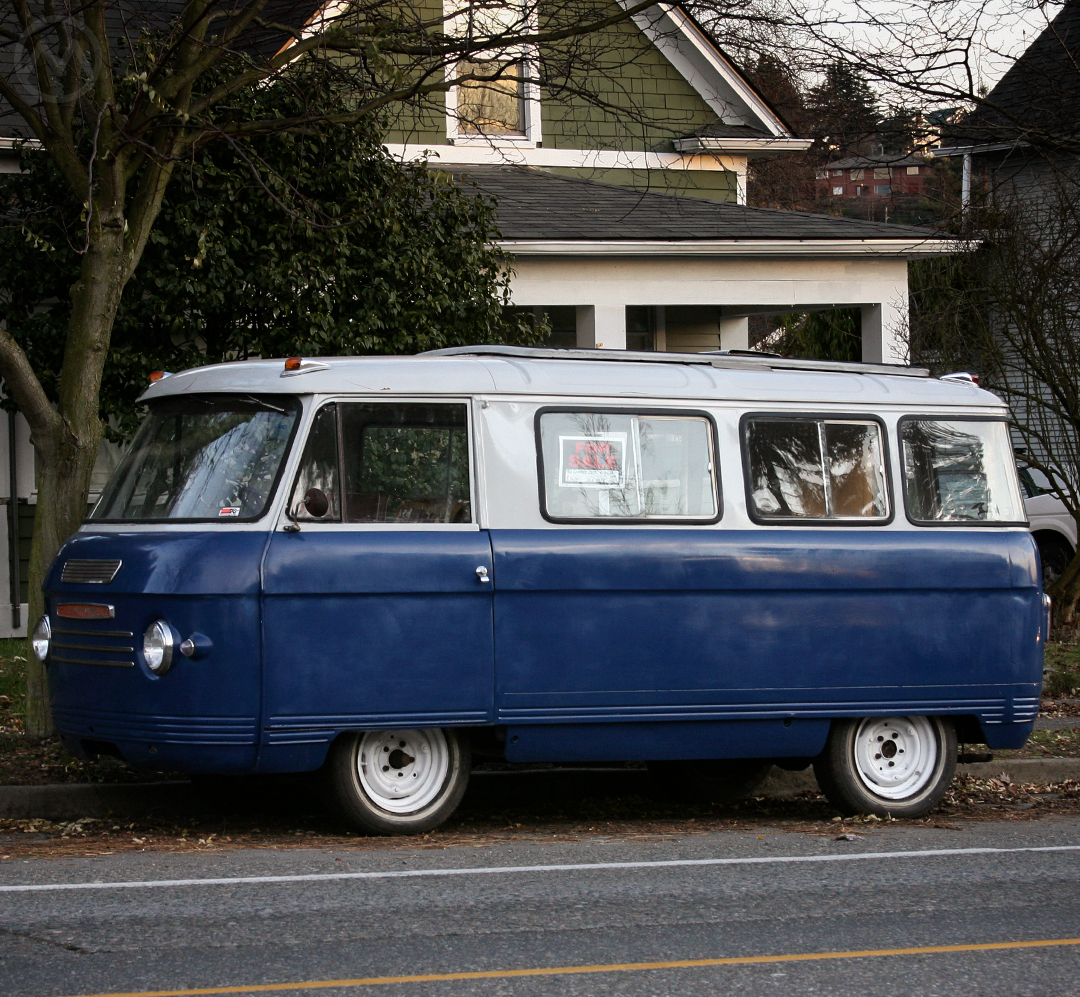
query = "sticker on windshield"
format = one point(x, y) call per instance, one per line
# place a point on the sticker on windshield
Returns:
point(229, 510)
point(592, 461)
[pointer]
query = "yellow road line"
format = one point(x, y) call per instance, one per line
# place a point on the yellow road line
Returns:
point(618, 967)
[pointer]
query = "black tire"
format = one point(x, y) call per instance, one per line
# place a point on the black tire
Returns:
point(708, 781)
point(861, 770)
point(363, 769)
point(1055, 556)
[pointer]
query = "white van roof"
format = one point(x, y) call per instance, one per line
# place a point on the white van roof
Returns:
point(511, 370)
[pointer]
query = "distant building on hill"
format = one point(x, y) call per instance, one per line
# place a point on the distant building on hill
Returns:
point(884, 176)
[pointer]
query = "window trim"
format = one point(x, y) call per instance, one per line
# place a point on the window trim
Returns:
point(341, 524)
point(860, 522)
point(954, 523)
point(272, 495)
point(541, 480)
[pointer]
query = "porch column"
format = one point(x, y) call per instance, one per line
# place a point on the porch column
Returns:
point(734, 333)
point(885, 333)
point(601, 326)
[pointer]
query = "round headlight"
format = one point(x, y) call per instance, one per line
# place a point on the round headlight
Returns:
point(157, 647)
point(41, 638)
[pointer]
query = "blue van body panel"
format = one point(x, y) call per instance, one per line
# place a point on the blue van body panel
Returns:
point(203, 714)
point(612, 643)
point(371, 629)
point(658, 740)
point(605, 626)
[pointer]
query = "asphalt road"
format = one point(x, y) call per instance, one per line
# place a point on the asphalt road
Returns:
point(481, 911)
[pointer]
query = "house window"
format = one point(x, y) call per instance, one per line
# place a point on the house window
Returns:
point(882, 173)
point(838, 191)
point(882, 189)
point(821, 174)
point(494, 105)
point(500, 105)
point(913, 171)
point(837, 173)
point(858, 174)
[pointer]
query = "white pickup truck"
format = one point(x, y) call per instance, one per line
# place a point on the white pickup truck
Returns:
point(1051, 525)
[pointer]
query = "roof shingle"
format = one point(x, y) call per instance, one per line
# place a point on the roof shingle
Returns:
point(535, 205)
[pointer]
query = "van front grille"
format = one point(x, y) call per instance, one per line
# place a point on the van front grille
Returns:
point(81, 571)
point(77, 647)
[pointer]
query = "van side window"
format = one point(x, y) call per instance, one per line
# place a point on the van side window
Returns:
point(319, 468)
point(960, 471)
point(815, 469)
point(405, 463)
point(613, 465)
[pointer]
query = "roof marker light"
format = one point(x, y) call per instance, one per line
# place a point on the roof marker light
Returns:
point(961, 376)
point(159, 375)
point(298, 365)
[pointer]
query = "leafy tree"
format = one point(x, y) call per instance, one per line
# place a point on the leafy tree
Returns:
point(831, 334)
point(844, 109)
point(315, 243)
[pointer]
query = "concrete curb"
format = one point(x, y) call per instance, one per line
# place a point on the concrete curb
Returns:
point(69, 801)
point(781, 784)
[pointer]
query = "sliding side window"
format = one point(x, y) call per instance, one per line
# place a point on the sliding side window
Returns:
point(960, 472)
point(815, 469)
point(387, 463)
point(619, 466)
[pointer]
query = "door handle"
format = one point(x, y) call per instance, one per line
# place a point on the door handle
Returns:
point(482, 574)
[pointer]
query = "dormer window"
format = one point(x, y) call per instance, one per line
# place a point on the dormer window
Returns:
point(493, 106)
point(501, 104)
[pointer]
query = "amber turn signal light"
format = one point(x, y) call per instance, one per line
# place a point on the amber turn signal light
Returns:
point(85, 611)
point(293, 363)
point(157, 375)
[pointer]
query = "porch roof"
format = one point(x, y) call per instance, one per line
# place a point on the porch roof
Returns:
point(534, 206)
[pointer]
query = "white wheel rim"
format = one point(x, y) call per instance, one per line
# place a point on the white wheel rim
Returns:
point(896, 757)
point(402, 771)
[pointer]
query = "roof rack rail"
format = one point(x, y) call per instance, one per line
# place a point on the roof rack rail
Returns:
point(722, 359)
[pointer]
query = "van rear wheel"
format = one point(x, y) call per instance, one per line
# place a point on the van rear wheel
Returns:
point(888, 766)
point(398, 781)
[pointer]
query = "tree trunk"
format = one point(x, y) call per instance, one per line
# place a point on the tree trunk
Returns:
point(66, 448)
point(1065, 591)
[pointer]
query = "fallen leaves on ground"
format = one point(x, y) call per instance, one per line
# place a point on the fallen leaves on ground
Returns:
point(557, 813)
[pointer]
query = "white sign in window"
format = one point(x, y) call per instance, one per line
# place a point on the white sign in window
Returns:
point(617, 465)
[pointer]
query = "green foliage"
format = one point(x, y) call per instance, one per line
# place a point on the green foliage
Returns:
point(844, 108)
point(834, 334)
point(13, 653)
point(315, 243)
point(1061, 669)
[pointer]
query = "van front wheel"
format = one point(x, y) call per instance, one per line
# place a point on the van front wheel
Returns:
point(398, 781)
point(888, 766)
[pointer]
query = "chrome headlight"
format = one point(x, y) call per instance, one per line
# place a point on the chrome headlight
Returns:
point(158, 645)
point(41, 638)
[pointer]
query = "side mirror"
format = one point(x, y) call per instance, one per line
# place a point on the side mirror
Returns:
point(316, 503)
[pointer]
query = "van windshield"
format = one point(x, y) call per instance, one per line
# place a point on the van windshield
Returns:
point(202, 457)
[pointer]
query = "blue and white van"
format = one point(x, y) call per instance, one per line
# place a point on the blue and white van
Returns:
point(381, 567)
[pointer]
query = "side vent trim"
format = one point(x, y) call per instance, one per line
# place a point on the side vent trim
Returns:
point(80, 571)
